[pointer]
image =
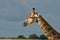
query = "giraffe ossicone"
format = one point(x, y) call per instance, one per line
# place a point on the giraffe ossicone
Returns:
point(50, 33)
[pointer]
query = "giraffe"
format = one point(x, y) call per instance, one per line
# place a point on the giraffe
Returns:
point(50, 33)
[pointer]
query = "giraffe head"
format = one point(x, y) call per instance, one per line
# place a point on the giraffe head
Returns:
point(32, 17)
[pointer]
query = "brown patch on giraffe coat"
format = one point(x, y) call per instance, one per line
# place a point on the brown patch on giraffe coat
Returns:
point(47, 28)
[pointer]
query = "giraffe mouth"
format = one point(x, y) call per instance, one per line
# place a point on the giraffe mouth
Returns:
point(25, 24)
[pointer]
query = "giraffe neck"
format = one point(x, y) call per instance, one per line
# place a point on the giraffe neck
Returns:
point(47, 29)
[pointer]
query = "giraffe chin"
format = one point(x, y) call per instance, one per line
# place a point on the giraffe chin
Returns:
point(25, 25)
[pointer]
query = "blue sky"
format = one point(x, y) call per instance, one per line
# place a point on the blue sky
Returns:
point(14, 12)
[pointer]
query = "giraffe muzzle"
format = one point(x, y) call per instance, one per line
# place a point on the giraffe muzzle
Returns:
point(25, 24)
